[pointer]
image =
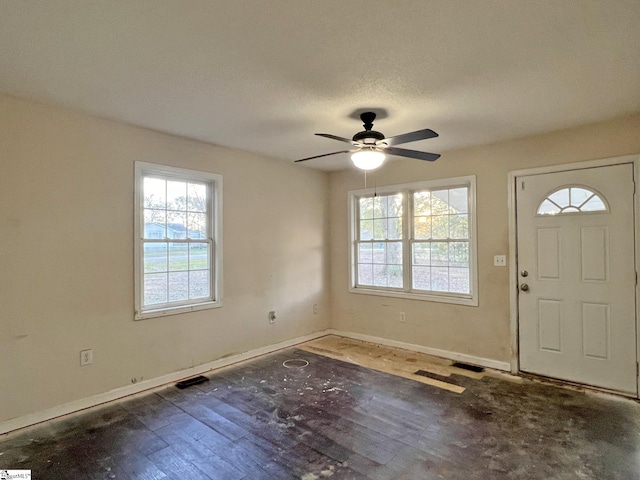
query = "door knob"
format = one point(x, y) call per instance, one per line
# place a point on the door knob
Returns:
point(524, 287)
point(524, 273)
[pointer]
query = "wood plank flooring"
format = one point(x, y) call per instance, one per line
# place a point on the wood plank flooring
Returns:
point(336, 419)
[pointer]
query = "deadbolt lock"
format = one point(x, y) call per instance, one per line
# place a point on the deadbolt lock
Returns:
point(524, 273)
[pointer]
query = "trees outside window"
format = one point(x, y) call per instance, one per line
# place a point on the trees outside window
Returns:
point(415, 240)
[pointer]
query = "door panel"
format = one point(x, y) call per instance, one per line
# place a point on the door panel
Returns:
point(577, 315)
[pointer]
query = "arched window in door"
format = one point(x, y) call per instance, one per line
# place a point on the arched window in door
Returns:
point(573, 199)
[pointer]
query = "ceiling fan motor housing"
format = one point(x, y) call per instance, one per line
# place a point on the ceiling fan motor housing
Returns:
point(368, 137)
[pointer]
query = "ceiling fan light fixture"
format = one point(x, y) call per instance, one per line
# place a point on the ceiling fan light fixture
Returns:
point(367, 159)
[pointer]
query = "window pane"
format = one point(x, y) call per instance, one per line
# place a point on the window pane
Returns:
point(366, 208)
point(422, 228)
point(366, 229)
point(154, 193)
point(178, 256)
point(548, 208)
point(595, 204)
point(178, 286)
point(197, 194)
point(379, 253)
point(176, 195)
point(380, 275)
point(422, 278)
point(365, 253)
point(459, 200)
point(394, 276)
point(394, 228)
point(155, 224)
point(155, 257)
point(440, 279)
point(421, 254)
point(380, 207)
point(459, 226)
point(394, 205)
point(439, 202)
point(459, 254)
point(560, 197)
point(198, 256)
point(394, 253)
point(439, 253)
point(155, 288)
point(365, 274)
point(380, 229)
point(176, 224)
point(459, 280)
point(199, 286)
point(197, 225)
point(440, 227)
point(579, 195)
point(422, 203)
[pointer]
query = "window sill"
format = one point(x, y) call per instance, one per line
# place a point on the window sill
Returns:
point(425, 297)
point(163, 312)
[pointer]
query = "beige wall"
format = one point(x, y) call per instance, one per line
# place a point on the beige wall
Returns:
point(481, 331)
point(66, 257)
point(66, 252)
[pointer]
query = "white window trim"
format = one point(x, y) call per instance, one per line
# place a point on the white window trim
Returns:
point(215, 218)
point(471, 299)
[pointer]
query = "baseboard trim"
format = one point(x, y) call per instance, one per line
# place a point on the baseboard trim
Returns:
point(458, 357)
point(158, 382)
point(118, 393)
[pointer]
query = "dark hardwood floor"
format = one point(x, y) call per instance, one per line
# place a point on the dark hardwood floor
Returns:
point(333, 419)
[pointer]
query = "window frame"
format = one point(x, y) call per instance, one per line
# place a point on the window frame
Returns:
point(407, 292)
point(214, 237)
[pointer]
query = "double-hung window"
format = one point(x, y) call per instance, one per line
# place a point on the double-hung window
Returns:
point(415, 241)
point(178, 219)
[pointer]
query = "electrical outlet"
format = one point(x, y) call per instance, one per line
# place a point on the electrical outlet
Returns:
point(272, 316)
point(403, 318)
point(86, 357)
point(315, 308)
point(500, 261)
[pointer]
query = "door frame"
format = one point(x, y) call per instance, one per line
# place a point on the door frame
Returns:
point(513, 244)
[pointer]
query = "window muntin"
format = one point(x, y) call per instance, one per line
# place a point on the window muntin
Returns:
point(575, 199)
point(415, 241)
point(177, 240)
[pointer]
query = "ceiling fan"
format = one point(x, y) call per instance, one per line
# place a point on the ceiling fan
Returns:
point(369, 147)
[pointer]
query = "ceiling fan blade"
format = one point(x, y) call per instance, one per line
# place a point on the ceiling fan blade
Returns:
point(410, 137)
point(335, 137)
point(323, 155)
point(403, 152)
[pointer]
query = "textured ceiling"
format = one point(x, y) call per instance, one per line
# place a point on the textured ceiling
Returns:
point(265, 75)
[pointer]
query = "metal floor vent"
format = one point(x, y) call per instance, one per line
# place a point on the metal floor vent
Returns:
point(466, 366)
point(191, 381)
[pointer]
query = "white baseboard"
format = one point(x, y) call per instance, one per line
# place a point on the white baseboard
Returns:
point(458, 357)
point(118, 393)
point(95, 400)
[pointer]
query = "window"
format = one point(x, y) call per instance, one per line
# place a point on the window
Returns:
point(415, 241)
point(178, 218)
point(571, 200)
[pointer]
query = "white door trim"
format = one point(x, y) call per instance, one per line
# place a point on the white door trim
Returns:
point(513, 251)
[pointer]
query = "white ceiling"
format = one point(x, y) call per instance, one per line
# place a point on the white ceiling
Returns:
point(264, 75)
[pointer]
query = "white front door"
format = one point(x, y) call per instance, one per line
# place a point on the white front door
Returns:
point(577, 276)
